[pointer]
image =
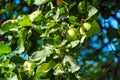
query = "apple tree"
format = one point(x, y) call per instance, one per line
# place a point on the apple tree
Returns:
point(59, 39)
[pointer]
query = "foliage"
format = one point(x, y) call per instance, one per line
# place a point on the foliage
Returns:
point(59, 40)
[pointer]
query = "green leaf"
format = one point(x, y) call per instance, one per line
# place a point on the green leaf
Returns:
point(5, 63)
point(20, 47)
point(11, 76)
point(62, 10)
point(95, 27)
point(7, 66)
point(29, 2)
point(17, 60)
point(9, 25)
point(92, 11)
point(2, 79)
point(72, 19)
point(38, 55)
point(51, 24)
point(57, 39)
point(58, 69)
point(74, 43)
point(2, 11)
point(53, 30)
point(40, 2)
point(82, 6)
point(44, 68)
point(62, 44)
point(21, 41)
point(71, 63)
point(9, 6)
point(36, 16)
point(83, 39)
point(4, 48)
point(25, 21)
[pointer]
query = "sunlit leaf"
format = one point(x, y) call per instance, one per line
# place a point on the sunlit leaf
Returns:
point(25, 21)
point(70, 61)
point(74, 43)
point(36, 16)
point(5, 63)
point(44, 68)
point(7, 66)
point(58, 69)
point(9, 25)
point(4, 48)
point(40, 2)
point(11, 76)
point(92, 11)
point(63, 10)
point(72, 19)
point(21, 46)
point(50, 25)
point(38, 55)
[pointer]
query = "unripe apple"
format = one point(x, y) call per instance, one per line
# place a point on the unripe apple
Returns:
point(72, 34)
point(85, 28)
point(28, 65)
point(89, 29)
point(82, 30)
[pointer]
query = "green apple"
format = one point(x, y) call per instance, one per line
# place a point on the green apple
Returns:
point(89, 29)
point(28, 65)
point(72, 34)
point(85, 28)
point(82, 30)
